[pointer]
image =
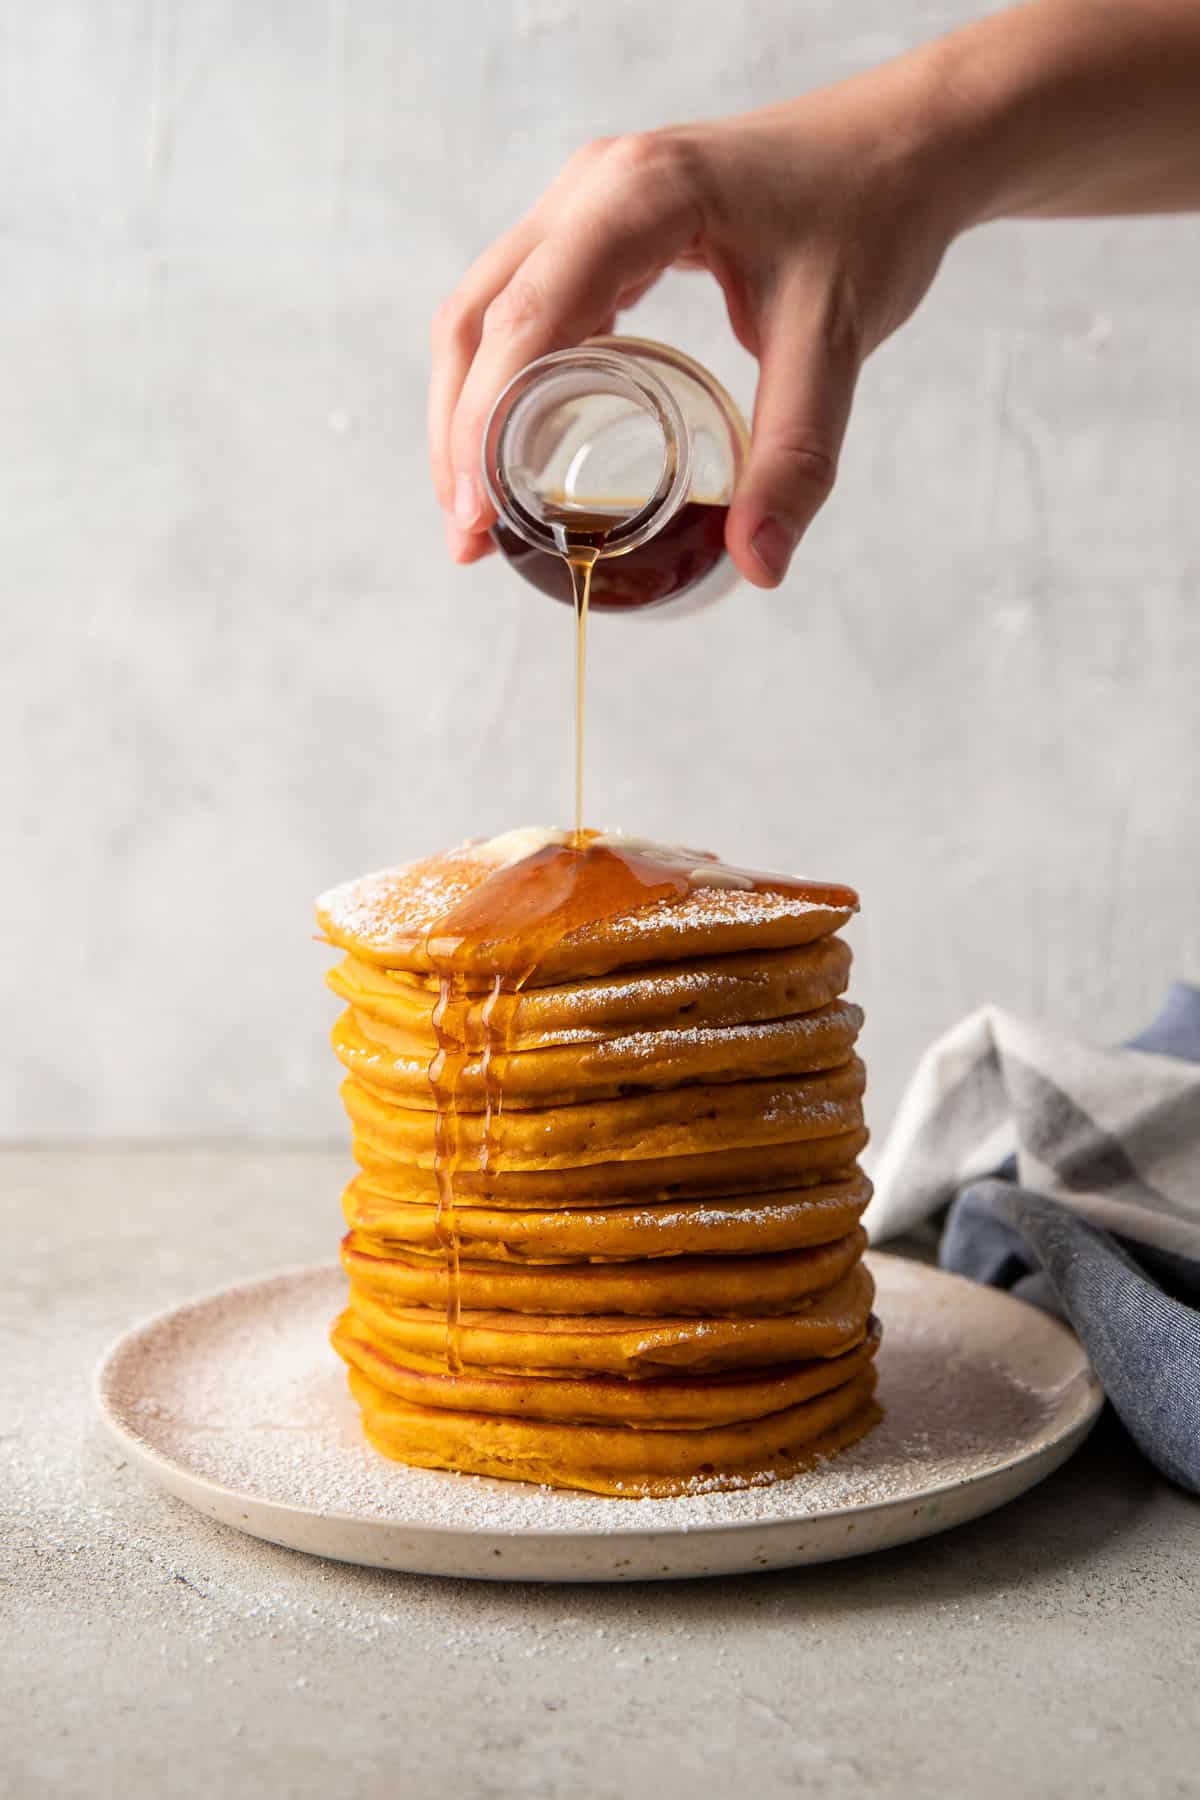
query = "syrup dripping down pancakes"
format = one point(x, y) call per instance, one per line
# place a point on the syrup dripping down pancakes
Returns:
point(606, 1113)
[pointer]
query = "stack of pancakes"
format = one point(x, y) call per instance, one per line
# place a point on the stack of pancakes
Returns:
point(642, 1272)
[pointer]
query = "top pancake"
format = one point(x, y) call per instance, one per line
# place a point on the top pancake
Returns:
point(391, 918)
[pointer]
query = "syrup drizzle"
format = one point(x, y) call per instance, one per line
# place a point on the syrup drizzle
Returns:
point(581, 582)
point(449, 1015)
point(502, 929)
point(506, 924)
point(580, 538)
point(494, 940)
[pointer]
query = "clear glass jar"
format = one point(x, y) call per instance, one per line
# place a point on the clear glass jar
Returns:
point(629, 440)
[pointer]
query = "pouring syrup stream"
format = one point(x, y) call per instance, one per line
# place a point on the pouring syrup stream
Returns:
point(492, 942)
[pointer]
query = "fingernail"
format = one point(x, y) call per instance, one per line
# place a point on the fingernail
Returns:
point(773, 544)
point(468, 502)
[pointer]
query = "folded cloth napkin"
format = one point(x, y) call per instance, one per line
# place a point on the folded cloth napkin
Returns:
point(1073, 1178)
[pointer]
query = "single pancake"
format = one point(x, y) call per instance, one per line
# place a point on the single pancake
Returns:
point(525, 1344)
point(661, 1401)
point(725, 1287)
point(731, 1226)
point(617, 1459)
point(722, 990)
point(680, 1122)
point(389, 1063)
point(381, 1144)
point(393, 917)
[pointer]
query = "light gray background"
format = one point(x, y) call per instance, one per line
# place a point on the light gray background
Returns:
point(236, 664)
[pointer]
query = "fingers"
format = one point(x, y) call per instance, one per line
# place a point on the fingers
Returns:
point(455, 334)
point(630, 216)
point(457, 325)
point(809, 359)
point(464, 546)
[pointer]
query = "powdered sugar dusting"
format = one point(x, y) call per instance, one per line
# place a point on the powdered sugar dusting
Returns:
point(841, 1021)
point(244, 1390)
point(392, 905)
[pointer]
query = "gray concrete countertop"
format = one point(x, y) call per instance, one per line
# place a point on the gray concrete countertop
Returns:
point(1049, 1649)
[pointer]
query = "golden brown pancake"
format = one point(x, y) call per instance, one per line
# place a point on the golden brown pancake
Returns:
point(678, 1122)
point(379, 1146)
point(388, 1063)
point(736, 1225)
point(722, 990)
point(617, 1459)
point(606, 1110)
point(525, 1344)
point(652, 1404)
point(727, 1287)
point(394, 918)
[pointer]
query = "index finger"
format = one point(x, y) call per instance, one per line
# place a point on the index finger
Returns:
point(635, 215)
point(455, 334)
point(458, 322)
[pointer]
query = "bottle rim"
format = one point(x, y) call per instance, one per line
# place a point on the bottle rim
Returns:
point(619, 370)
point(657, 351)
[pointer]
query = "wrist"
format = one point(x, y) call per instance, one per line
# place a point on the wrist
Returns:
point(933, 137)
point(1068, 108)
point(961, 153)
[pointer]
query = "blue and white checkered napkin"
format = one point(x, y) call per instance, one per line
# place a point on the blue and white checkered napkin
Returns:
point(1072, 1175)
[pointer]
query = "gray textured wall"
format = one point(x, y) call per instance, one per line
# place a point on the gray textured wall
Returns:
point(236, 665)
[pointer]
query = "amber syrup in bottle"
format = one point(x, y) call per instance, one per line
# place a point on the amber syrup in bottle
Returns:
point(686, 549)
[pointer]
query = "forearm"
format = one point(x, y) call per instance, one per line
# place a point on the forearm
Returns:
point(1068, 108)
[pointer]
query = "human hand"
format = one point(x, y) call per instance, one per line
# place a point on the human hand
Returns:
point(823, 220)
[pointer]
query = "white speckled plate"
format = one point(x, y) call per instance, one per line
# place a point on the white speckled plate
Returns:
point(236, 1404)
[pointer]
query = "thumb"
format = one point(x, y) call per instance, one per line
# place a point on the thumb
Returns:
point(807, 372)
